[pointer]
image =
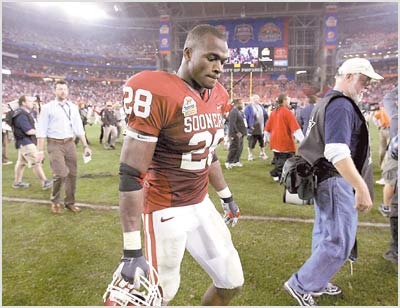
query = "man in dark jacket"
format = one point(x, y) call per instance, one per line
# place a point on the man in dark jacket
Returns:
point(110, 127)
point(236, 133)
point(25, 141)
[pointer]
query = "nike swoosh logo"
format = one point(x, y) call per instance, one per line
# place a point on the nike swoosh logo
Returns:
point(166, 219)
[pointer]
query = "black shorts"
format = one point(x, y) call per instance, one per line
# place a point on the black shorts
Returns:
point(252, 140)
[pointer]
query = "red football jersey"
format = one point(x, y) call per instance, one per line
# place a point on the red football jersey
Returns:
point(188, 129)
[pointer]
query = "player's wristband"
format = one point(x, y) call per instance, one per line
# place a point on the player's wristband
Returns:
point(225, 194)
point(132, 240)
point(227, 200)
point(133, 253)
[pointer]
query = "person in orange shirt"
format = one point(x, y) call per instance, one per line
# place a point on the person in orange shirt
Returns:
point(279, 130)
point(381, 120)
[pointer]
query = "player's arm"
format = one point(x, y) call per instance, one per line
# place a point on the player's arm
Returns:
point(217, 180)
point(135, 159)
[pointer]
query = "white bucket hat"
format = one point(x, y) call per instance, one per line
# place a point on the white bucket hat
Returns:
point(358, 66)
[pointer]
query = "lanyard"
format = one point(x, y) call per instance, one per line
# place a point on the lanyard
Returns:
point(69, 111)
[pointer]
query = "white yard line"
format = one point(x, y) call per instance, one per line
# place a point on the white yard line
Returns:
point(243, 217)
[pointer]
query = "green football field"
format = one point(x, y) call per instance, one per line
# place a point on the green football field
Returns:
point(68, 259)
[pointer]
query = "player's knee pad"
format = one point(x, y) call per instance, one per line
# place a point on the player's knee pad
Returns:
point(232, 277)
point(235, 278)
point(170, 285)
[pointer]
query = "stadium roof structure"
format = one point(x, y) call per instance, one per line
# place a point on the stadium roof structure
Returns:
point(185, 11)
point(141, 13)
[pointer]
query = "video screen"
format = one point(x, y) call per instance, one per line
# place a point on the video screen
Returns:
point(249, 55)
point(234, 56)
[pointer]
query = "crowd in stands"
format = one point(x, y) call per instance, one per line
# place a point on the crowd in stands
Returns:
point(54, 56)
point(368, 42)
point(101, 60)
point(89, 92)
point(268, 90)
point(68, 71)
point(377, 90)
point(298, 92)
point(103, 42)
point(388, 67)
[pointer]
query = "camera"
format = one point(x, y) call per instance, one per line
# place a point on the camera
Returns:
point(293, 105)
point(13, 105)
point(373, 106)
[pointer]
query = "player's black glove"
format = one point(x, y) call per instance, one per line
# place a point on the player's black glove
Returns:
point(134, 265)
point(231, 211)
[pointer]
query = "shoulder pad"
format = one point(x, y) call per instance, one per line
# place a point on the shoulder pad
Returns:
point(159, 83)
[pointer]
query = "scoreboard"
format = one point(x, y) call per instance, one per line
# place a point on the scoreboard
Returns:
point(257, 59)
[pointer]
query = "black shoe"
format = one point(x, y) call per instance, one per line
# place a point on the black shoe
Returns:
point(302, 299)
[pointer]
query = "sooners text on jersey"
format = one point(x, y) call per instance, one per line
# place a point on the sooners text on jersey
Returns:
point(188, 130)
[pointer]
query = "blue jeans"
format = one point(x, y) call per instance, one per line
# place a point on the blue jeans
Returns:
point(333, 235)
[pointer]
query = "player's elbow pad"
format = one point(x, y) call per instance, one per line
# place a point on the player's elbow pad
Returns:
point(130, 179)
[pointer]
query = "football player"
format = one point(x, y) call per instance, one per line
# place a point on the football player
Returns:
point(175, 122)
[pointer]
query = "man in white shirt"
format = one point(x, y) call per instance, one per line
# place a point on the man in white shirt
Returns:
point(59, 122)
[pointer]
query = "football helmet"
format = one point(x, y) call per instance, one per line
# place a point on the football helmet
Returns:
point(121, 293)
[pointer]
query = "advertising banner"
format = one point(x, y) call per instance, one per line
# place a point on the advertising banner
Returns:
point(331, 21)
point(259, 32)
point(165, 39)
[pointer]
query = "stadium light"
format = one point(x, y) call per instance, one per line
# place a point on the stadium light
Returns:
point(34, 56)
point(300, 72)
point(45, 4)
point(83, 10)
